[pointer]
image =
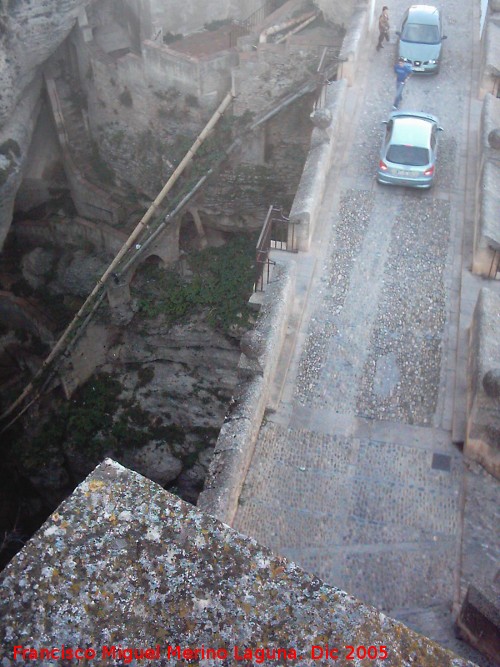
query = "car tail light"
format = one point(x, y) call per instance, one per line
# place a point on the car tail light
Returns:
point(429, 171)
point(382, 165)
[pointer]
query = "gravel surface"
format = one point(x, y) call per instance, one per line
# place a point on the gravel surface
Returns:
point(401, 375)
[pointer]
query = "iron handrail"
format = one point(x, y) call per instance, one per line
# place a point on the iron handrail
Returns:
point(267, 240)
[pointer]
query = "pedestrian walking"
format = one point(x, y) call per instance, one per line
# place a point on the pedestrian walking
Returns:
point(403, 71)
point(383, 27)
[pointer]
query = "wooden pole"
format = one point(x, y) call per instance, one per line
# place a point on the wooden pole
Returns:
point(124, 249)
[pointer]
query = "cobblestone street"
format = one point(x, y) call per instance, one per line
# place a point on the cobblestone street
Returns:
point(355, 476)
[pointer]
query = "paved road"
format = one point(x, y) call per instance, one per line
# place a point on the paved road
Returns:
point(355, 476)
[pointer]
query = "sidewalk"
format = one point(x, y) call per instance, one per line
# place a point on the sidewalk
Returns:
point(355, 475)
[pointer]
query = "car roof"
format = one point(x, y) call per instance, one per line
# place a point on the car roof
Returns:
point(425, 14)
point(412, 130)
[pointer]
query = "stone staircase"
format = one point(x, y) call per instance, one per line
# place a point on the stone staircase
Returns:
point(91, 200)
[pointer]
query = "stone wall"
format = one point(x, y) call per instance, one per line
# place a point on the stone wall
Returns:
point(238, 435)
point(43, 26)
point(207, 78)
point(490, 53)
point(483, 374)
point(309, 195)
point(78, 232)
point(186, 16)
point(15, 139)
point(486, 251)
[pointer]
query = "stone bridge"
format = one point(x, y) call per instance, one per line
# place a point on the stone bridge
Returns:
point(343, 450)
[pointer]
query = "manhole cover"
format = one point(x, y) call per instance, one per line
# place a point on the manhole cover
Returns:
point(441, 462)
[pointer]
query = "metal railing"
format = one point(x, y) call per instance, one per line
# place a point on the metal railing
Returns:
point(276, 235)
point(326, 73)
point(244, 27)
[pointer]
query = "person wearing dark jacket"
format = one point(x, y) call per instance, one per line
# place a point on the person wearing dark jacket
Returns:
point(402, 70)
point(383, 27)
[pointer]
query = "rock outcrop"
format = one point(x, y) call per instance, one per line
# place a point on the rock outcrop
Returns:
point(29, 33)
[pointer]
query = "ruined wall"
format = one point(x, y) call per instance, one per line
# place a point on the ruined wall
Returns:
point(186, 16)
point(340, 12)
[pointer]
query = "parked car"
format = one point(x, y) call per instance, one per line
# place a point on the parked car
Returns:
point(421, 38)
point(409, 149)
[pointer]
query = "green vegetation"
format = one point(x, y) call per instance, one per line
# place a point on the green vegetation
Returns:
point(170, 37)
point(94, 424)
point(215, 25)
point(220, 285)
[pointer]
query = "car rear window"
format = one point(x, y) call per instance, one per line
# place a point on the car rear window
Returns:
point(414, 156)
point(421, 34)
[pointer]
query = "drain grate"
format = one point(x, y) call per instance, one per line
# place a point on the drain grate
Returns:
point(441, 462)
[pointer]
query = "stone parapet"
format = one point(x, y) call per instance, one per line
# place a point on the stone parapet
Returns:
point(354, 40)
point(238, 435)
point(309, 195)
point(124, 566)
point(483, 406)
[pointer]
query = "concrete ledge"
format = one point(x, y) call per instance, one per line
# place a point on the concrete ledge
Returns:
point(482, 443)
point(238, 436)
point(309, 195)
point(354, 41)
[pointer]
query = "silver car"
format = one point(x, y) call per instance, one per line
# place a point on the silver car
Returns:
point(421, 38)
point(409, 149)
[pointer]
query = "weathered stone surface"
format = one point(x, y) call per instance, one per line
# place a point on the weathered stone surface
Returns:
point(252, 344)
point(491, 383)
point(237, 437)
point(483, 418)
point(190, 482)
point(122, 562)
point(321, 118)
point(494, 138)
point(36, 265)
point(479, 622)
point(156, 462)
point(30, 34)
point(79, 272)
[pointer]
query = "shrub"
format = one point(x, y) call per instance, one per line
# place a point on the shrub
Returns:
point(221, 285)
point(170, 37)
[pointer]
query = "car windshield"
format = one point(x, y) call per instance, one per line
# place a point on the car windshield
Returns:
point(413, 156)
point(421, 34)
